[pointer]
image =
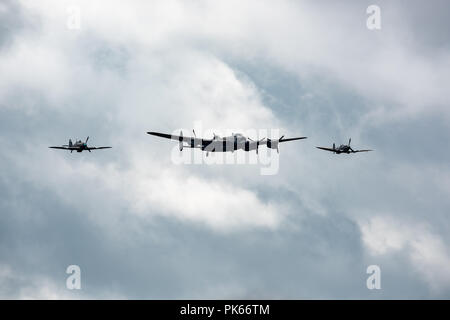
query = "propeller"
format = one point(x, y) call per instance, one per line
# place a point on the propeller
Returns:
point(349, 141)
point(258, 143)
point(193, 131)
point(181, 140)
point(85, 144)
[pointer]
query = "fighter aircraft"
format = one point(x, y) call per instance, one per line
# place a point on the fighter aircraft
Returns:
point(343, 148)
point(78, 146)
point(223, 144)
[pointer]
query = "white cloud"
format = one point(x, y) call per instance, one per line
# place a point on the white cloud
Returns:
point(189, 85)
point(220, 205)
point(383, 66)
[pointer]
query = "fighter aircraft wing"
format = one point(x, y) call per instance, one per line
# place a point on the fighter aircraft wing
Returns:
point(98, 148)
point(197, 141)
point(354, 151)
point(326, 149)
point(64, 148)
point(291, 139)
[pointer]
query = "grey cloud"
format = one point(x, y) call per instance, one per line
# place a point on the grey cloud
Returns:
point(11, 21)
point(116, 90)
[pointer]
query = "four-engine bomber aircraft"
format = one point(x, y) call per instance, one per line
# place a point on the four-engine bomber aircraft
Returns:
point(78, 146)
point(218, 144)
point(343, 148)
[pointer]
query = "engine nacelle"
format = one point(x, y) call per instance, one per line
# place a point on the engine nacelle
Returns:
point(273, 144)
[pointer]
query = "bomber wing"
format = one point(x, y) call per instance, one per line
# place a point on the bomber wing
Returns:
point(290, 139)
point(180, 138)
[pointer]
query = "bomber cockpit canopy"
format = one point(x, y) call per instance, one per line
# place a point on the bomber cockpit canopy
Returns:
point(239, 136)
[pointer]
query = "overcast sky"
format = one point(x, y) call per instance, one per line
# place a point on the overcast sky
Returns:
point(141, 226)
